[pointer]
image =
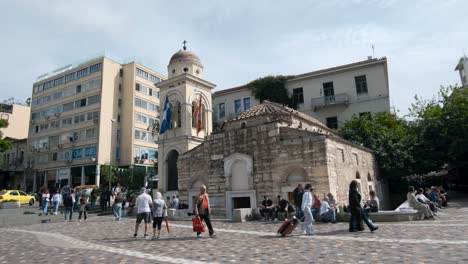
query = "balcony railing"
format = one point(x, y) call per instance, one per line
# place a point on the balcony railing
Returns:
point(325, 101)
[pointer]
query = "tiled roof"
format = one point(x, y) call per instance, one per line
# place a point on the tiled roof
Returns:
point(277, 111)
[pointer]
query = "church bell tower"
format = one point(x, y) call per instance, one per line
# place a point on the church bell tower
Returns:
point(189, 118)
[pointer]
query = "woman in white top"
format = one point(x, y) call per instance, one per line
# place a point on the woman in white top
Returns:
point(306, 208)
point(45, 200)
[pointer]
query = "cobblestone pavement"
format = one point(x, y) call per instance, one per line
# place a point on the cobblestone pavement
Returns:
point(103, 240)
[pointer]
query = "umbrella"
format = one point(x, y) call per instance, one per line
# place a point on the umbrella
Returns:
point(167, 224)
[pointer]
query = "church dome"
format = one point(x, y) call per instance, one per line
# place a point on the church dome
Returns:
point(185, 56)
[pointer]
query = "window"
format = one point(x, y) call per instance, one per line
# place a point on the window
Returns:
point(82, 73)
point(78, 89)
point(369, 177)
point(332, 122)
point(80, 103)
point(141, 135)
point(356, 158)
point(329, 92)
point(54, 140)
point(70, 77)
point(54, 156)
point(237, 106)
point(341, 154)
point(298, 95)
point(361, 84)
point(79, 119)
point(141, 119)
point(141, 73)
point(358, 176)
point(95, 68)
point(55, 124)
point(222, 110)
point(59, 81)
point(137, 86)
point(246, 103)
point(121, 73)
point(68, 106)
point(48, 85)
point(94, 99)
point(66, 121)
point(154, 79)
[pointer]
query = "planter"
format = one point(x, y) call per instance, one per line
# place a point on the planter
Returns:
point(10, 205)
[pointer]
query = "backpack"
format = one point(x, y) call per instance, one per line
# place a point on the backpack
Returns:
point(82, 200)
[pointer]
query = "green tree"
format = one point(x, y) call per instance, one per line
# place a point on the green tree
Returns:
point(387, 135)
point(4, 144)
point(272, 88)
point(108, 173)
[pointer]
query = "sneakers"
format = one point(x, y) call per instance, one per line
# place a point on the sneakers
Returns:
point(145, 236)
point(80, 220)
point(135, 235)
point(374, 228)
point(213, 235)
point(86, 220)
point(154, 238)
point(199, 236)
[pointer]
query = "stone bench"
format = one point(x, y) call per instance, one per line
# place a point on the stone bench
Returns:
point(386, 216)
point(242, 214)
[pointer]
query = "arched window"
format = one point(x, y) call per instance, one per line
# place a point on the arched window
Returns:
point(358, 176)
point(369, 177)
point(176, 110)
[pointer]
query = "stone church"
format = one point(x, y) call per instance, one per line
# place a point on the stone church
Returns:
point(266, 150)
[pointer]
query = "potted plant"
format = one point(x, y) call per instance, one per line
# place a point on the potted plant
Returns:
point(10, 204)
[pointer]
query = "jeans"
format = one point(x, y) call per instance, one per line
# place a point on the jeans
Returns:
point(118, 210)
point(329, 216)
point(299, 212)
point(266, 212)
point(79, 216)
point(68, 209)
point(308, 229)
point(316, 213)
point(365, 219)
point(56, 206)
point(207, 219)
point(46, 206)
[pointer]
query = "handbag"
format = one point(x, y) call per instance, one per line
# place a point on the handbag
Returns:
point(198, 225)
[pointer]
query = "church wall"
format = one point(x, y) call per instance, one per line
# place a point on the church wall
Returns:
point(347, 162)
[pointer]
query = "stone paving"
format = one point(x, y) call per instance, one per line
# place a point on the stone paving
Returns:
point(104, 240)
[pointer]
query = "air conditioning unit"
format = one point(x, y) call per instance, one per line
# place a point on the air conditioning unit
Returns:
point(57, 114)
point(69, 161)
point(59, 146)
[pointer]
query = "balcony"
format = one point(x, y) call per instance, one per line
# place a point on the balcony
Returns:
point(324, 101)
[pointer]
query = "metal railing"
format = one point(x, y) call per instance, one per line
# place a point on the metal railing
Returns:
point(324, 101)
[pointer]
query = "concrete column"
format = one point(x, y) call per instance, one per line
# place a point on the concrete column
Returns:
point(98, 176)
point(82, 176)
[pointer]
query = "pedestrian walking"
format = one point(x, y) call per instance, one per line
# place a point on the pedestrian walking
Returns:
point(159, 212)
point(143, 204)
point(297, 195)
point(118, 202)
point(83, 204)
point(203, 210)
point(68, 202)
point(306, 208)
point(56, 201)
point(357, 213)
point(45, 201)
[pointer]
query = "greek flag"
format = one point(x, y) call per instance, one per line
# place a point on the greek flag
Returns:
point(166, 119)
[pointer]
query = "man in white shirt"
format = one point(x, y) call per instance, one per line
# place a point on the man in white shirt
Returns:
point(327, 212)
point(306, 209)
point(143, 204)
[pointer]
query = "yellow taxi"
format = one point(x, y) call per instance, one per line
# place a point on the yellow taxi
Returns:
point(18, 195)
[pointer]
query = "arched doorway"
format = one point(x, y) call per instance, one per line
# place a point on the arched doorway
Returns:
point(172, 175)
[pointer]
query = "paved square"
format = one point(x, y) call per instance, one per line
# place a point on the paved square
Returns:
point(103, 240)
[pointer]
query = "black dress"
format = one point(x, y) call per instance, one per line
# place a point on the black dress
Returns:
point(355, 221)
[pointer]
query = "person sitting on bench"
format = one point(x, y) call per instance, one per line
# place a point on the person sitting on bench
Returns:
point(267, 208)
point(327, 212)
point(283, 207)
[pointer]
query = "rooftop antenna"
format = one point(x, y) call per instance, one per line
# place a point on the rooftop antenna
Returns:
point(184, 44)
point(373, 51)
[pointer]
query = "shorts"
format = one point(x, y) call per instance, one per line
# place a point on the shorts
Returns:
point(157, 221)
point(143, 216)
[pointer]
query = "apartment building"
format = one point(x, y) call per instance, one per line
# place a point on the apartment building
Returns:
point(331, 95)
point(17, 116)
point(462, 68)
point(94, 113)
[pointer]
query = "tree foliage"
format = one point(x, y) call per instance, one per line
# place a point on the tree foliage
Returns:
point(4, 144)
point(433, 134)
point(108, 173)
point(387, 135)
point(272, 88)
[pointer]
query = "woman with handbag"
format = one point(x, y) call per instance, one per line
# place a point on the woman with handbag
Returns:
point(203, 210)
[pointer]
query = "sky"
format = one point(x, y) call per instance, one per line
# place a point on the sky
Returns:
point(239, 41)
